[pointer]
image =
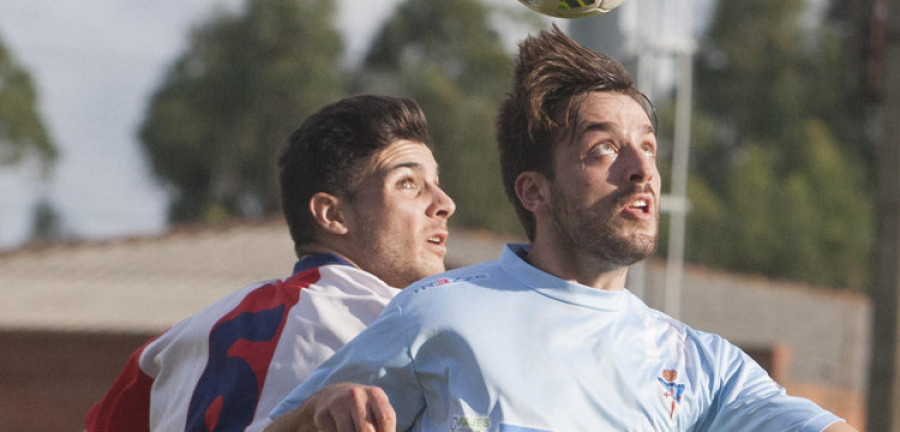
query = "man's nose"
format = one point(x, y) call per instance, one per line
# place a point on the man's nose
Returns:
point(443, 206)
point(641, 167)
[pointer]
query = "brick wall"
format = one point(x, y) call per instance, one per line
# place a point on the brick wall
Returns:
point(49, 380)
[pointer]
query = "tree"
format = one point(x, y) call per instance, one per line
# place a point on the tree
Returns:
point(46, 222)
point(447, 56)
point(22, 131)
point(23, 136)
point(779, 180)
point(246, 82)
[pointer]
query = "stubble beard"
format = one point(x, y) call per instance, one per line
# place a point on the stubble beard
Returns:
point(596, 232)
point(395, 264)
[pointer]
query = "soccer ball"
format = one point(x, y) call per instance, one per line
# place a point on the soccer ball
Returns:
point(572, 8)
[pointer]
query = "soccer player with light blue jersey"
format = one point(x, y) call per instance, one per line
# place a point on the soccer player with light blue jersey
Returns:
point(547, 338)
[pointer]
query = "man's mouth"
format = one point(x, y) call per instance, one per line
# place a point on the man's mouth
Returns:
point(437, 239)
point(640, 205)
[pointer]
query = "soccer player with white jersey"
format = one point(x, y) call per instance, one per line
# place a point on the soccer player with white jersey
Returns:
point(547, 338)
point(360, 194)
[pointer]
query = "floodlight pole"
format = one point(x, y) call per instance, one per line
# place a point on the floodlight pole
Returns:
point(678, 193)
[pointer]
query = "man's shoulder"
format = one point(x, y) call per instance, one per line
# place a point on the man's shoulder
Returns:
point(276, 292)
point(473, 275)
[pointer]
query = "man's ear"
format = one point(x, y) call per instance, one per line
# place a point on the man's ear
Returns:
point(533, 191)
point(328, 212)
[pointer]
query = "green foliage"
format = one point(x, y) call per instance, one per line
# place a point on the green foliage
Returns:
point(806, 225)
point(22, 131)
point(247, 81)
point(780, 186)
point(446, 55)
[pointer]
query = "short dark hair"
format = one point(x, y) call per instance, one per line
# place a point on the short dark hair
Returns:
point(553, 75)
point(329, 150)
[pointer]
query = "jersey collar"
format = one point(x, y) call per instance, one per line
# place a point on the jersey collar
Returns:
point(318, 260)
point(551, 286)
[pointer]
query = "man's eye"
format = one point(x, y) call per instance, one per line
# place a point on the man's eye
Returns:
point(648, 150)
point(407, 184)
point(603, 149)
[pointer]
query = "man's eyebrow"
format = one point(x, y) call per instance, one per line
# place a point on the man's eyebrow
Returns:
point(416, 166)
point(609, 127)
point(411, 165)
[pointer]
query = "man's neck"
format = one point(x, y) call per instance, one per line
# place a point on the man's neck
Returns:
point(577, 267)
point(311, 249)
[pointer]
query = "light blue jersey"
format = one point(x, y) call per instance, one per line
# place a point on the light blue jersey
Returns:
point(503, 346)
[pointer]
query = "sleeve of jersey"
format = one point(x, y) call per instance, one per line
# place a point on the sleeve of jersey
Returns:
point(378, 356)
point(126, 406)
point(746, 399)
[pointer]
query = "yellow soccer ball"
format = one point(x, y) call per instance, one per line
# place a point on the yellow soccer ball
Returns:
point(572, 8)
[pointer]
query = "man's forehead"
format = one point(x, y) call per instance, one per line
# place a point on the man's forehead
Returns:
point(607, 107)
point(402, 153)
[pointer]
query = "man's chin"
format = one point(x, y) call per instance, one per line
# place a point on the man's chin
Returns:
point(631, 250)
point(645, 246)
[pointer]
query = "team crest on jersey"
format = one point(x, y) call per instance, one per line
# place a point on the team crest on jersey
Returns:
point(672, 391)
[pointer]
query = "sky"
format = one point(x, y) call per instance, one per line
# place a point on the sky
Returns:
point(95, 64)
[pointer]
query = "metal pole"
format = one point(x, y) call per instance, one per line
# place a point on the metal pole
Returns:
point(680, 154)
point(647, 55)
point(883, 409)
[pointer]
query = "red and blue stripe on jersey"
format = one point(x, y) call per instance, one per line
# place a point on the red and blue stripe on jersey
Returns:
point(241, 346)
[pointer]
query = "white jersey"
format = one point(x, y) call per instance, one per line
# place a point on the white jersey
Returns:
point(503, 346)
point(226, 367)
